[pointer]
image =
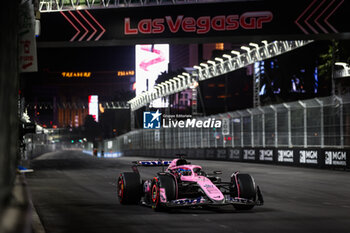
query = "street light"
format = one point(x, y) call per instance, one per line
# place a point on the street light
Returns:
point(205, 65)
point(188, 77)
point(227, 56)
point(170, 84)
point(235, 52)
point(254, 45)
point(162, 85)
point(157, 88)
point(343, 64)
point(183, 79)
point(211, 62)
point(186, 74)
point(167, 88)
point(245, 48)
point(181, 76)
point(219, 59)
point(198, 68)
point(175, 83)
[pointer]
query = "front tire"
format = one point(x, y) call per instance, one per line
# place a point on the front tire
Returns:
point(166, 182)
point(129, 188)
point(246, 189)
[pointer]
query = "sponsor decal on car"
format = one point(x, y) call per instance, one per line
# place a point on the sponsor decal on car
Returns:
point(156, 163)
point(188, 201)
point(335, 158)
point(308, 156)
point(240, 200)
point(162, 195)
point(285, 156)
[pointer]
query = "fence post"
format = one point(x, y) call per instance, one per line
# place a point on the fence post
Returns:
point(289, 125)
point(276, 131)
point(341, 121)
point(242, 134)
point(251, 127)
point(232, 134)
point(178, 138)
point(305, 122)
point(241, 121)
point(322, 121)
point(208, 139)
point(263, 125)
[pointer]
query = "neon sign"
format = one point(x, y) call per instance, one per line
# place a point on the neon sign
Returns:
point(76, 74)
point(126, 73)
point(201, 25)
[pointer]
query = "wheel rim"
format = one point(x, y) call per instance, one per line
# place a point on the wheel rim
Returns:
point(155, 194)
point(121, 189)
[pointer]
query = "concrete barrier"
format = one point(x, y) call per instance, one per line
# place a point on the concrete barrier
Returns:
point(328, 158)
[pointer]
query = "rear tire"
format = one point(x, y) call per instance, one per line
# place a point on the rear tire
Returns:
point(129, 188)
point(247, 190)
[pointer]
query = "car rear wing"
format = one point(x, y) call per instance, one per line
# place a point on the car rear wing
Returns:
point(149, 163)
point(153, 163)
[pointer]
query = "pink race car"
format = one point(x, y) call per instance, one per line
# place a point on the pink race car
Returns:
point(186, 185)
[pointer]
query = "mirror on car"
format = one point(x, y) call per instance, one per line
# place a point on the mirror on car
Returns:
point(217, 172)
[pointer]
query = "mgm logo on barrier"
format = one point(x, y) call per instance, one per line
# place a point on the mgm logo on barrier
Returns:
point(337, 158)
point(266, 155)
point(285, 156)
point(308, 156)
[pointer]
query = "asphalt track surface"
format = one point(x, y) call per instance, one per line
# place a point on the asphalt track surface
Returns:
point(74, 192)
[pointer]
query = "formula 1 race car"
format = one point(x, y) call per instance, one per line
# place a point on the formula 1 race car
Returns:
point(184, 185)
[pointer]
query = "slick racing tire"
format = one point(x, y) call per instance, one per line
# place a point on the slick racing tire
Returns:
point(166, 182)
point(129, 188)
point(246, 189)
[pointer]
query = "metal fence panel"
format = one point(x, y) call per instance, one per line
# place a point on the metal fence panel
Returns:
point(237, 132)
point(297, 127)
point(270, 130)
point(283, 128)
point(258, 130)
point(247, 131)
point(314, 126)
point(331, 125)
point(323, 122)
point(346, 122)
